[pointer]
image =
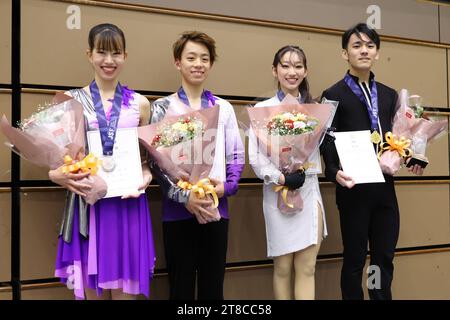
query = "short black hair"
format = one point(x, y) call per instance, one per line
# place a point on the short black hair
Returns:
point(358, 29)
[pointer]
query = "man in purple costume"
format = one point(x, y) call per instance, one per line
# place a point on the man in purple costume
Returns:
point(196, 252)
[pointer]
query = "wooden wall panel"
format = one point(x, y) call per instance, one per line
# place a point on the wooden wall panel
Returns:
point(422, 277)
point(5, 41)
point(444, 16)
point(5, 296)
point(52, 293)
point(30, 104)
point(155, 62)
point(420, 225)
point(247, 233)
point(333, 243)
point(424, 215)
point(399, 66)
point(416, 277)
point(67, 63)
point(5, 152)
point(249, 284)
point(40, 224)
point(5, 236)
point(328, 279)
point(237, 72)
point(159, 288)
point(248, 171)
point(240, 111)
point(154, 199)
point(344, 13)
point(257, 284)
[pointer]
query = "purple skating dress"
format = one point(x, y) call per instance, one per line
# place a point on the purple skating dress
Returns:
point(119, 251)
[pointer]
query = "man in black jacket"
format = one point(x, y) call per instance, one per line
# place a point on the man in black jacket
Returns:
point(368, 212)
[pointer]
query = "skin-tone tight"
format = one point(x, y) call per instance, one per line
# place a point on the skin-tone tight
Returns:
point(303, 264)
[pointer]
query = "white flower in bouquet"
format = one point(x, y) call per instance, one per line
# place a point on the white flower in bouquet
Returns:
point(299, 124)
point(287, 116)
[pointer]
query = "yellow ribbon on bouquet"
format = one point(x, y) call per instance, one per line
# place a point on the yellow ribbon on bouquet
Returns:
point(88, 163)
point(284, 190)
point(395, 144)
point(201, 189)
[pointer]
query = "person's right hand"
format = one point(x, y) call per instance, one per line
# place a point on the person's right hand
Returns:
point(294, 180)
point(198, 207)
point(70, 181)
point(344, 180)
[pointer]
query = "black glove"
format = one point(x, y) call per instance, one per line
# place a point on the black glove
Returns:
point(294, 180)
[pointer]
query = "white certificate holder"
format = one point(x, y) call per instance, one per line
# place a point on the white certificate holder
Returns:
point(127, 174)
point(357, 156)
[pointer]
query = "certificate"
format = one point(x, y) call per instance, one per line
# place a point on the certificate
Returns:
point(357, 156)
point(127, 174)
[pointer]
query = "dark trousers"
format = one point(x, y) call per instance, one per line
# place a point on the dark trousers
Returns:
point(196, 252)
point(368, 214)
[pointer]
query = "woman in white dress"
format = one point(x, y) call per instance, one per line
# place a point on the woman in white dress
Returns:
point(293, 240)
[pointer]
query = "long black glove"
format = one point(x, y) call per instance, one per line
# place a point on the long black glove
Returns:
point(294, 180)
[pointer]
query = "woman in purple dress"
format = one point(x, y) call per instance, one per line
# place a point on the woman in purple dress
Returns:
point(106, 250)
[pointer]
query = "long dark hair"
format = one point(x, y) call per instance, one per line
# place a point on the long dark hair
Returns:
point(303, 88)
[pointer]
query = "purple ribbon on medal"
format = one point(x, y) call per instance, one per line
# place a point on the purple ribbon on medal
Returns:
point(207, 97)
point(372, 108)
point(107, 130)
point(281, 96)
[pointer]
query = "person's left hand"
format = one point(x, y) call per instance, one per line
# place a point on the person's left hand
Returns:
point(416, 169)
point(218, 186)
point(147, 178)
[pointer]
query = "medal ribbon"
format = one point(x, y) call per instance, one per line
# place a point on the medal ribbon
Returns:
point(107, 130)
point(207, 98)
point(372, 108)
point(281, 96)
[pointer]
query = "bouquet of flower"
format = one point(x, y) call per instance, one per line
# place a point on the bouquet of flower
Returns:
point(183, 146)
point(288, 134)
point(411, 131)
point(185, 129)
point(54, 137)
point(291, 123)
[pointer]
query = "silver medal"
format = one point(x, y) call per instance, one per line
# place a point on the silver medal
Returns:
point(108, 164)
